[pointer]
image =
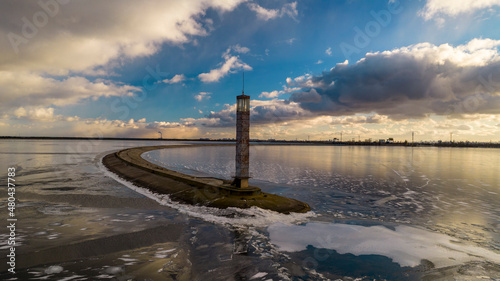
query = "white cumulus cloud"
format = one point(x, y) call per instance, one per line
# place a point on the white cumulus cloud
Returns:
point(435, 9)
point(231, 64)
point(289, 9)
point(176, 79)
point(239, 49)
point(202, 96)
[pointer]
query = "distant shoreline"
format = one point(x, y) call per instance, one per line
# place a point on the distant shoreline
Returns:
point(285, 142)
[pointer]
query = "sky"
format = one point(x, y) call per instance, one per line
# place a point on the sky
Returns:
point(314, 69)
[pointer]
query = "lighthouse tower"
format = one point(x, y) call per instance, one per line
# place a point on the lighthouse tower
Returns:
point(242, 140)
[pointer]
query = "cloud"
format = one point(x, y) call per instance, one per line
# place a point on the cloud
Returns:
point(328, 51)
point(435, 9)
point(306, 97)
point(359, 119)
point(31, 89)
point(239, 49)
point(99, 32)
point(319, 62)
point(303, 81)
point(231, 64)
point(277, 111)
point(289, 9)
point(278, 119)
point(462, 127)
point(202, 96)
point(261, 112)
point(36, 114)
point(410, 82)
point(270, 95)
point(166, 125)
point(275, 93)
point(262, 13)
point(44, 122)
point(63, 60)
point(176, 79)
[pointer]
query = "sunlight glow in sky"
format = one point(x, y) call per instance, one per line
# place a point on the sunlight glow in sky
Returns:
point(368, 69)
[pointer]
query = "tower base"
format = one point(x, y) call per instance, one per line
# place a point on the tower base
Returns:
point(240, 182)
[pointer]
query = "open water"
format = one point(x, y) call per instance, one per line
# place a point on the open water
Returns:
point(379, 213)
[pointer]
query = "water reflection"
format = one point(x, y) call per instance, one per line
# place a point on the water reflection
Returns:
point(450, 187)
point(69, 205)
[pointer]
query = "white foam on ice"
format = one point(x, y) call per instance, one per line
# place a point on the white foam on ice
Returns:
point(72, 277)
point(166, 251)
point(405, 245)
point(104, 276)
point(258, 275)
point(54, 269)
point(113, 270)
point(127, 259)
point(253, 216)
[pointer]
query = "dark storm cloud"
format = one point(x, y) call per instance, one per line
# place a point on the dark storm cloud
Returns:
point(409, 84)
point(223, 118)
point(278, 111)
point(261, 112)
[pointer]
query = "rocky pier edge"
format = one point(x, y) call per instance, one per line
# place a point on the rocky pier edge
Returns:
point(206, 191)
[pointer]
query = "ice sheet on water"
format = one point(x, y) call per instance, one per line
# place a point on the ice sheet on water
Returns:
point(404, 245)
point(58, 210)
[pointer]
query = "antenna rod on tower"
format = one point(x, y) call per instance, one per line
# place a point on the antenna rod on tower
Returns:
point(243, 89)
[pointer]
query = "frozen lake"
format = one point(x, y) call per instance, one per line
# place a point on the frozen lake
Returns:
point(427, 186)
point(384, 213)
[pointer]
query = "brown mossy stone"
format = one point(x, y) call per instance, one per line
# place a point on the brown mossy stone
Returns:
point(211, 192)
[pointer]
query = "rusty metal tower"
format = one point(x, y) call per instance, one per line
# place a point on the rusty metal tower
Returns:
point(242, 139)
